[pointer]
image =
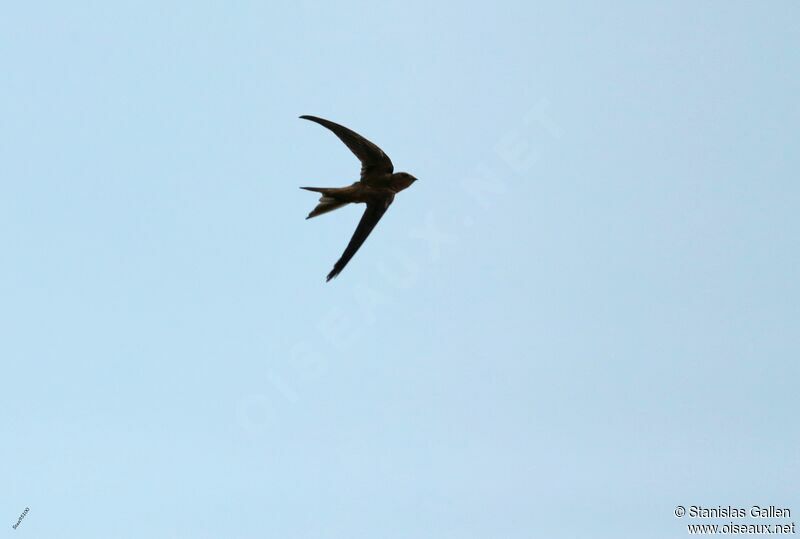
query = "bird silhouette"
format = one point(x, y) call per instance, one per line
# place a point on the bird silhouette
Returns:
point(376, 188)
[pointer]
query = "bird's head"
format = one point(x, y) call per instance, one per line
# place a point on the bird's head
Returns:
point(402, 180)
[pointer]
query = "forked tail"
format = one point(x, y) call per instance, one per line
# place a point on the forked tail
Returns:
point(327, 202)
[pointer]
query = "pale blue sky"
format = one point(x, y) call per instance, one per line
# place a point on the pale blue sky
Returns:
point(584, 314)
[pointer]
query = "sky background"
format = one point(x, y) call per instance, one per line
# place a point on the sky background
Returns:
point(584, 314)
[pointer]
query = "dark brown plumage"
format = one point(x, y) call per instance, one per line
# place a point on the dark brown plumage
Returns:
point(376, 188)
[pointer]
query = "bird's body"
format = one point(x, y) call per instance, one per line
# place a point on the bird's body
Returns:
point(376, 188)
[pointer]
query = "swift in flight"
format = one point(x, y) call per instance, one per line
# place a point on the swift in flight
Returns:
point(376, 188)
